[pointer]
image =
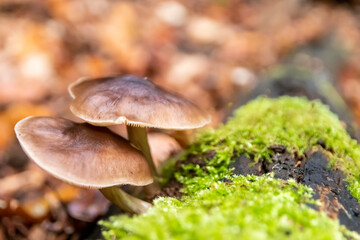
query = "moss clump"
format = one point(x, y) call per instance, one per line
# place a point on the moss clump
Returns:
point(250, 207)
point(296, 123)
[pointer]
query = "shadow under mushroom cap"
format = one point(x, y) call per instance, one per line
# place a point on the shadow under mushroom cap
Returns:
point(82, 154)
point(133, 101)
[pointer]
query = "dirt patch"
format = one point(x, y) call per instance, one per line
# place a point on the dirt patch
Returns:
point(329, 185)
point(171, 189)
point(245, 166)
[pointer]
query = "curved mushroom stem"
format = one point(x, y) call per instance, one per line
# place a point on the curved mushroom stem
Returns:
point(125, 201)
point(138, 137)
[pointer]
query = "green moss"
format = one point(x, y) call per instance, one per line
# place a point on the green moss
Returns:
point(295, 123)
point(250, 207)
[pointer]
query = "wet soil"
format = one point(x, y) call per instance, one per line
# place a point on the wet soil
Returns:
point(312, 170)
point(172, 189)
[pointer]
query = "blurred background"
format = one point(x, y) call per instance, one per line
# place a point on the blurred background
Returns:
point(216, 53)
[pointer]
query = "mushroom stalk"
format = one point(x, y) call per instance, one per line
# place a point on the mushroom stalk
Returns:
point(125, 201)
point(138, 137)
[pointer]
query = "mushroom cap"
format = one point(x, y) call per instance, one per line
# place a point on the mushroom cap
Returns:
point(162, 147)
point(81, 154)
point(133, 101)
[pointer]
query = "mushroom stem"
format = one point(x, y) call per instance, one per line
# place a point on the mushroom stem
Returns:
point(138, 137)
point(125, 201)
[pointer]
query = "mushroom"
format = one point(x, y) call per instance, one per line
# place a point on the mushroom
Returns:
point(162, 146)
point(86, 156)
point(136, 102)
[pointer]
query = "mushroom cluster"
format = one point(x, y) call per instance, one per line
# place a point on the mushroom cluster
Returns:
point(136, 102)
point(88, 154)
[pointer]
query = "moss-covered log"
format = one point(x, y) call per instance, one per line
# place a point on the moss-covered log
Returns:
point(309, 188)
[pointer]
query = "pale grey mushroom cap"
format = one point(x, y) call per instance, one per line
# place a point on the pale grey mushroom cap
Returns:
point(133, 101)
point(81, 154)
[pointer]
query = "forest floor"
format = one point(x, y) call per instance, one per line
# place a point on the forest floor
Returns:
point(212, 52)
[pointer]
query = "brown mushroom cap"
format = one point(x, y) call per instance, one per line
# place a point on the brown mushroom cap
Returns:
point(82, 154)
point(133, 101)
point(162, 147)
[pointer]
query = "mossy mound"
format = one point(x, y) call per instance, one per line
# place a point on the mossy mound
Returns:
point(296, 123)
point(250, 207)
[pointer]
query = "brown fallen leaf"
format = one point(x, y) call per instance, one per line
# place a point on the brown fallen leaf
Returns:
point(36, 233)
point(2, 233)
point(14, 113)
point(122, 25)
point(36, 209)
point(89, 207)
point(28, 179)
